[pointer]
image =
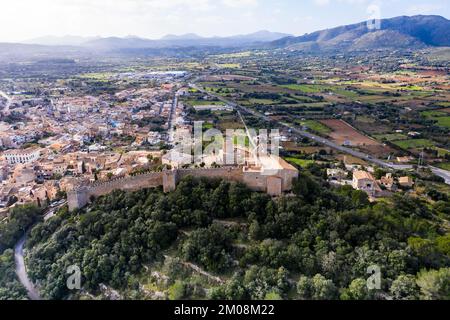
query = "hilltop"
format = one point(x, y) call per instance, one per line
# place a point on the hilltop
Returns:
point(397, 33)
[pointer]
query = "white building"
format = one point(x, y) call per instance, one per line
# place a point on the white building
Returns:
point(213, 107)
point(22, 156)
point(154, 137)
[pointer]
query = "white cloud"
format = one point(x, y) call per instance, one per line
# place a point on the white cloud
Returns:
point(322, 2)
point(327, 2)
point(26, 19)
point(240, 3)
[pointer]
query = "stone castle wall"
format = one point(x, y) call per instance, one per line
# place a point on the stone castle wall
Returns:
point(149, 180)
point(79, 197)
point(274, 185)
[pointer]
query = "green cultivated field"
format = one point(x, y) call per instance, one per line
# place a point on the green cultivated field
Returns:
point(391, 136)
point(306, 88)
point(299, 162)
point(262, 101)
point(316, 126)
point(414, 143)
point(434, 114)
point(442, 152)
point(445, 166)
point(442, 118)
point(319, 88)
point(204, 103)
point(443, 121)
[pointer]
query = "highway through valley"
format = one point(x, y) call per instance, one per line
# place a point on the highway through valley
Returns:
point(324, 141)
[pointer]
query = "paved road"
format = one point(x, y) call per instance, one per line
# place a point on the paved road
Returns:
point(171, 119)
point(21, 269)
point(441, 173)
point(361, 155)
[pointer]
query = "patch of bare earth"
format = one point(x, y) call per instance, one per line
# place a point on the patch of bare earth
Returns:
point(344, 134)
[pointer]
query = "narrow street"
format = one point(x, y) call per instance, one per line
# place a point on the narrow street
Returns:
point(171, 122)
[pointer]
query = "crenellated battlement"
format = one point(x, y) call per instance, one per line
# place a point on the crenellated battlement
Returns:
point(80, 196)
point(274, 185)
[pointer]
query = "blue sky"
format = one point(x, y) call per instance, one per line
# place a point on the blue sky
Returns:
point(26, 19)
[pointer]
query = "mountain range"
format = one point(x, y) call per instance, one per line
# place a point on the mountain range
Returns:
point(396, 33)
point(133, 42)
point(403, 32)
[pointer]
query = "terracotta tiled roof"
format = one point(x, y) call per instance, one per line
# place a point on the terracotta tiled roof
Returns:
point(363, 175)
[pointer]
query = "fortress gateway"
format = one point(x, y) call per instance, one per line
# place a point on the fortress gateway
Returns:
point(273, 176)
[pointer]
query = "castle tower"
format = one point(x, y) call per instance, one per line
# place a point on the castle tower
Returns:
point(77, 198)
point(170, 180)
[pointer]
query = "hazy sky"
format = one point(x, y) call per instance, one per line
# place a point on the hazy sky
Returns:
point(25, 19)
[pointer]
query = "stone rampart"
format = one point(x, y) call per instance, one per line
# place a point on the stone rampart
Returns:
point(274, 184)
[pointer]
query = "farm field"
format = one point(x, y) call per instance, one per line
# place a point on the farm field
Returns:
point(299, 162)
point(320, 88)
point(229, 123)
point(370, 104)
point(445, 166)
point(414, 144)
point(229, 65)
point(204, 103)
point(306, 88)
point(442, 152)
point(443, 121)
point(347, 159)
point(260, 101)
point(343, 133)
point(229, 77)
point(391, 136)
point(293, 147)
point(442, 118)
point(316, 126)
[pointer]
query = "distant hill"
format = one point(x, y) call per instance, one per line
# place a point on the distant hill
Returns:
point(14, 51)
point(262, 36)
point(112, 43)
point(60, 41)
point(396, 33)
point(186, 40)
point(188, 36)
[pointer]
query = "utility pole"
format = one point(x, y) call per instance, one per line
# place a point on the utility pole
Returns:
point(421, 160)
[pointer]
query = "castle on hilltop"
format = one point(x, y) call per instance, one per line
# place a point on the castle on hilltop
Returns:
point(275, 182)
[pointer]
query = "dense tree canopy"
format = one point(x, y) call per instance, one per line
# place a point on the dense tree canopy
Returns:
point(20, 219)
point(316, 244)
point(10, 287)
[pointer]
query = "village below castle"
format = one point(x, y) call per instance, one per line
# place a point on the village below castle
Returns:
point(65, 143)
